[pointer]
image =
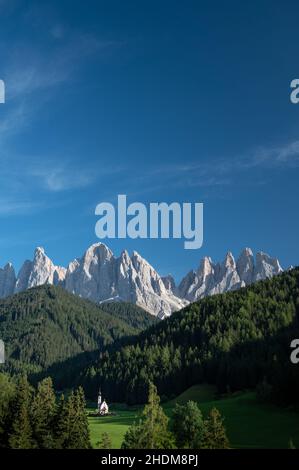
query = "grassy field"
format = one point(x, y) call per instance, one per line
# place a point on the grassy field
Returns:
point(249, 424)
point(115, 426)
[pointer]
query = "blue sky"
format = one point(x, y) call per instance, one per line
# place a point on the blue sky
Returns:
point(162, 101)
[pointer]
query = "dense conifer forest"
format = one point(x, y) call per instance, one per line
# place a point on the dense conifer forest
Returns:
point(34, 418)
point(46, 326)
point(237, 340)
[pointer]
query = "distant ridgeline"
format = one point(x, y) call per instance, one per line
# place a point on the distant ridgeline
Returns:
point(237, 340)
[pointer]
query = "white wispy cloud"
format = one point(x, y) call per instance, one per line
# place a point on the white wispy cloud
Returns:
point(286, 155)
point(220, 172)
point(51, 175)
point(62, 178)
point(29, 69)
point(9, 207)
point(13, 121)
point(282, 156)
point(32, 78)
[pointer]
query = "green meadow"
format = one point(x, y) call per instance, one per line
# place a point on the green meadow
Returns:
point(249, 423)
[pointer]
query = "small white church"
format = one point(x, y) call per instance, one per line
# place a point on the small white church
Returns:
point(103, 408)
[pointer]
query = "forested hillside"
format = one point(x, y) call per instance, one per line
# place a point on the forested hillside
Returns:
point(236, 340)
point(46, 325)
point(130, 313)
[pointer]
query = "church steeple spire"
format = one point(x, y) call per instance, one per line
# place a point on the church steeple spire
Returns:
point(99, 399)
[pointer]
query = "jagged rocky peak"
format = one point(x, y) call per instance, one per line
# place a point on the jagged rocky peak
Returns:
point(149, 290)
point(212, 278)
point(8, 268)
point(229, 262)
point(90, 276)
point(266, 266)
point(38, 272)
point(146, 277)
point(98, 252)
point(7, 280)
point(96, 255)
point(246, 253)
point(195, 283)
point(124, 277)
point(206, 267)
point(98, 275)
point(187, 284)
point(59, 275)
point(169, 283)
point(42, 268)
point(44, 271)
point(124, 257)
point(245, 265)
point(124, 265)
point(23, 276)
point(138, 261)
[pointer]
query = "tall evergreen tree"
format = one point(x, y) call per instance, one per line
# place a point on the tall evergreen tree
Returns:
point(152, 431)
point(187, 425)
point(7, 392)
point(72, 430)
point(43, 413)
point(83, 439)
point(132, 439)
point(21, 432)
point(105, 441)
point(291, 444)
point(61, 425)
point(214, 435)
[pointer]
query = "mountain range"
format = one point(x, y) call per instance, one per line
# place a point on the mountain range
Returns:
point(102, 277)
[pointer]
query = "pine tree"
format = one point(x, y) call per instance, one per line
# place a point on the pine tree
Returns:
point(214, 435)
point(105, 441)
point(187, 425)
point(7, 393)
point(61, 424)
point(291, 444)
point(43, 413)
point(72, 430)
point(152, 431)
point(21, 433)
point(83, 440)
